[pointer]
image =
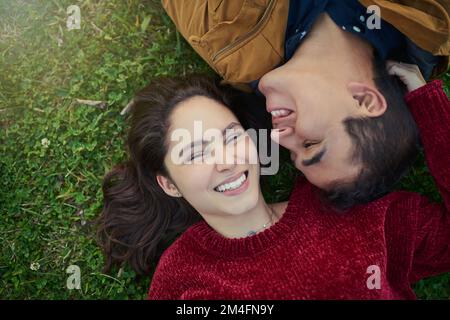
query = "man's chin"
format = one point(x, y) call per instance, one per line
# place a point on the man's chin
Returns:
point(293, 156)
point(296, 164)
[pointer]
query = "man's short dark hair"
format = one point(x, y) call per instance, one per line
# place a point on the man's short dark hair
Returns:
point(386, 146)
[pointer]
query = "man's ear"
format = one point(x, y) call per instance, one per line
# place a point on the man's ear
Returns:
point(369, 98)
point(168, 186)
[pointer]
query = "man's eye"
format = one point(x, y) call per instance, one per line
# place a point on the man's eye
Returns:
point(310, 144)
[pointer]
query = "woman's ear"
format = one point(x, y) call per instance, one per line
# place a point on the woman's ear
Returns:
point(369, 98)
point(168, 186)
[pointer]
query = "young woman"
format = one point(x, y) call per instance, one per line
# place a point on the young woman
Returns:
point(243, 248)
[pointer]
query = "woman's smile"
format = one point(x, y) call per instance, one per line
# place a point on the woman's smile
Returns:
point(235, 185)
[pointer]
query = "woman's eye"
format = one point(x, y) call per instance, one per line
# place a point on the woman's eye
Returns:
point(233, 138)
point(196, 155)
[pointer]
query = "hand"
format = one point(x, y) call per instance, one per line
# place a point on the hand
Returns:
point(409, 74)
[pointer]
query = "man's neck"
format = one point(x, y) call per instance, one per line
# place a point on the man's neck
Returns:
point(329, 47)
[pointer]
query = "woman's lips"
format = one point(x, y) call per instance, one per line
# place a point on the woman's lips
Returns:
point(242, 188)
point(239, 190)
point(233, 178)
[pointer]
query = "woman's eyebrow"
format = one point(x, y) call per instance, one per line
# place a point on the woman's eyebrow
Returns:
point(230, 126)
point(192, 145)
point(315, 159)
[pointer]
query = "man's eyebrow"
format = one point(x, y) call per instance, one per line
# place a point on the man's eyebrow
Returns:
point(204, 142)
point(315, 159)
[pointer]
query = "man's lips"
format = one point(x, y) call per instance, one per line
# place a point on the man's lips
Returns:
point(280, 114)
point(278, 134)
point(282, 127)
point(271, 106)
point(287, 120)
point(283, 121)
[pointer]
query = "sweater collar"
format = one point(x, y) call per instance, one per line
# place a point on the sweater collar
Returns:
point(214, 243)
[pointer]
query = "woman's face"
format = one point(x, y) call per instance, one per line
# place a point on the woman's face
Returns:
point(211, 160)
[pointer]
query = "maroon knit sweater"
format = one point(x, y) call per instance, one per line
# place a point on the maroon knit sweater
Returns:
point(315, 253)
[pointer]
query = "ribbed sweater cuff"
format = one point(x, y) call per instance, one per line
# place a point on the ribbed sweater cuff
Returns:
point(429, 107)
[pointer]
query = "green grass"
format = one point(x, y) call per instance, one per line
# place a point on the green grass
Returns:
point(50, 193)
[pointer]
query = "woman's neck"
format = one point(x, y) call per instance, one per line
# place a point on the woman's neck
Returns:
point(251, 222)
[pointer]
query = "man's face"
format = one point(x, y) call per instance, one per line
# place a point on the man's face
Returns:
point(308, 107)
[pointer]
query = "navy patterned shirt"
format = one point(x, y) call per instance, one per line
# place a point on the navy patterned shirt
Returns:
point(352, 16)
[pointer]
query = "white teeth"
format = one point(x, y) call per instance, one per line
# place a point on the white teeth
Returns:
point(280, 113)
point(233, 184)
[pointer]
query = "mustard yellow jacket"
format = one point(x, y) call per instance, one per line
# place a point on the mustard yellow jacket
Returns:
point(244, 39)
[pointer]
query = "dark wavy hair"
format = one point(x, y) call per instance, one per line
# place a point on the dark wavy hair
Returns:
point(139, 219)
point(386, 146)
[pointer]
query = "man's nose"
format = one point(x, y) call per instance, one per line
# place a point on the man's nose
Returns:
point(265, 83)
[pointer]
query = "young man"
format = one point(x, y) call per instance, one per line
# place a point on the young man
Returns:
point(333, 104)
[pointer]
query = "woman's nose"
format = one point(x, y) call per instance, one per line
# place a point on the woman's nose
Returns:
point(225, 158)
point(226, 164)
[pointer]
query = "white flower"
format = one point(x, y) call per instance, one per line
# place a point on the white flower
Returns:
point(35, 266)
point(45, 142)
